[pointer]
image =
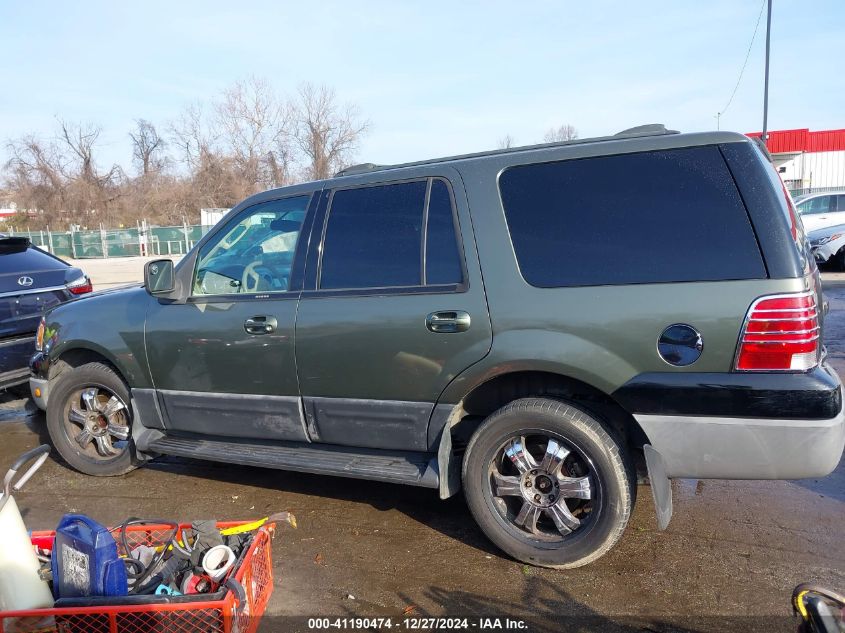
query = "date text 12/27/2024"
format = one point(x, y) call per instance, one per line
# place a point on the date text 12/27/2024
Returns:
point(420, 623)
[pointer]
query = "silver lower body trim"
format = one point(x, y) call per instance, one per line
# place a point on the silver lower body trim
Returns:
point(745, 448)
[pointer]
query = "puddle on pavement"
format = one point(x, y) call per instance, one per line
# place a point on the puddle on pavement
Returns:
point(17, 410)
point(687, 488)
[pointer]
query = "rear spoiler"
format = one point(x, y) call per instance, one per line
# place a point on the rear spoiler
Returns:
point(14, 244)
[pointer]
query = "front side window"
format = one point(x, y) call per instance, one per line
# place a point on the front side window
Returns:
point(254, 252)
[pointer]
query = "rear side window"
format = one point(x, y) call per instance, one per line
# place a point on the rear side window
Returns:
point(383, 236)
point(442, 258)
point(373, 237)
point(663, 216)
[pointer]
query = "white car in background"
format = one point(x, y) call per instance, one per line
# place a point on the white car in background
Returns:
point(820, 210)
point(828, 245)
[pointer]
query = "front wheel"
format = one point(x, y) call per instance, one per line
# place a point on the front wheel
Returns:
point(89, 420)
point(548, 484)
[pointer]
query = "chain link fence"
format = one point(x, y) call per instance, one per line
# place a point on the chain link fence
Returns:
point(800, 192)
point(157, 240)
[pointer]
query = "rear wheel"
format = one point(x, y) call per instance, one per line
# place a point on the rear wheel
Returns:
point(89, 420)
point(548, 484)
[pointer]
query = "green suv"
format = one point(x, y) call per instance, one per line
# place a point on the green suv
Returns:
point(530, 324)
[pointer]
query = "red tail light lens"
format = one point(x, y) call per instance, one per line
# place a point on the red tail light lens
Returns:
point(80, 286)
point(781, 333)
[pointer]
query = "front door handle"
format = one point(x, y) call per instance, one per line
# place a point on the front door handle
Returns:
point(261, 325)
point(448, 321)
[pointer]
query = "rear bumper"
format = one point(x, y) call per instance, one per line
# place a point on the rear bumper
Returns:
point(741, 425)
point(745, 448)
point(14, 357)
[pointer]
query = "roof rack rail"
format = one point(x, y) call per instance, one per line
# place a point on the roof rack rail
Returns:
point(650, 129)
point(362, 168)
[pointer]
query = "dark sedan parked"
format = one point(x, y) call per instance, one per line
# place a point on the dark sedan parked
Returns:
point(31, 281)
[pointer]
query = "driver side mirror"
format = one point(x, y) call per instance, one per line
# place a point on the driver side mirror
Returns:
point(158, 276)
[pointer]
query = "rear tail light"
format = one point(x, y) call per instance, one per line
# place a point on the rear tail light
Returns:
point(80, 286)
point(781, 333)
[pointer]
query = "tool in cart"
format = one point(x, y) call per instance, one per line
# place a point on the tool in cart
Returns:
point(21, 587)
point(279, 517)
point(235, 604)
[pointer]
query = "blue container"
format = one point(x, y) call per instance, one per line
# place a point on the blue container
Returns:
point(85, 560)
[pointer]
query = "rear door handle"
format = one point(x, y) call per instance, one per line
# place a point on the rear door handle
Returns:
point(261, 325)
point(448, 321)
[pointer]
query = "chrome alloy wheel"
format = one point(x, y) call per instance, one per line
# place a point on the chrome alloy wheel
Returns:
point(543, 487)
point(97, 422)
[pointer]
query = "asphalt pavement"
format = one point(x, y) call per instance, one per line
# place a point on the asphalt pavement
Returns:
point(728, 561)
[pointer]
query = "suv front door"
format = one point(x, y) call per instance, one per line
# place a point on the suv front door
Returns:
point(223, 362)
point(393, 308)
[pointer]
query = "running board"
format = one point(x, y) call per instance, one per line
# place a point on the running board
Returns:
point(415, 469)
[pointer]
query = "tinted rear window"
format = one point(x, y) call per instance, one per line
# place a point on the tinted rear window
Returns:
point(15, 258)
point(373, 237)
point(663, 216)
point(442, 260)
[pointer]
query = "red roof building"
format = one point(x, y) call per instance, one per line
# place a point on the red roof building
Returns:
point(808, 160)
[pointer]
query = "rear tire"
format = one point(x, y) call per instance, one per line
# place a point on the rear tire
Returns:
point(89, 420)
point(548, 484)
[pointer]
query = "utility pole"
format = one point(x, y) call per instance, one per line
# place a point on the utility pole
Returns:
point(765, 134)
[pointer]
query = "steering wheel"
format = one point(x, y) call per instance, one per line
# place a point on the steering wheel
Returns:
point(257, 277)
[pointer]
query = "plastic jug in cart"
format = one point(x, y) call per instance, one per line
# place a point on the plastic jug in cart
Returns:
point(21, 587)
point(85, 560)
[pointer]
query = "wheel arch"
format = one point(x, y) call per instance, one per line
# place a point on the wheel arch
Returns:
point(508, 385)
point(69, 357)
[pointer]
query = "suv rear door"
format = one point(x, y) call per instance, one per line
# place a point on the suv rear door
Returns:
point(392, 310)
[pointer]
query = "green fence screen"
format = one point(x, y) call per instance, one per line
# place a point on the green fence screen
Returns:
point(159, 240)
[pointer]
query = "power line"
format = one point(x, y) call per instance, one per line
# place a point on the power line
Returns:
point(745, 63)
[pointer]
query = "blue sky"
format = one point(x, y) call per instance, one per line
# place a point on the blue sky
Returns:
point(433, 78)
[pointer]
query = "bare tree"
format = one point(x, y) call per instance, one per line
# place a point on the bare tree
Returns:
point(255, 127)
point(80, 140)
point(565, 132)
point(189, 134)
point(147, 148)
point(89, 192)
point(506, 142)
point(327, 134)
point(247, 139)
point(34, 175)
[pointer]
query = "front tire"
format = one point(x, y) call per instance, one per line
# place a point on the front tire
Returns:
point(548, 484)
point(89, 420)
